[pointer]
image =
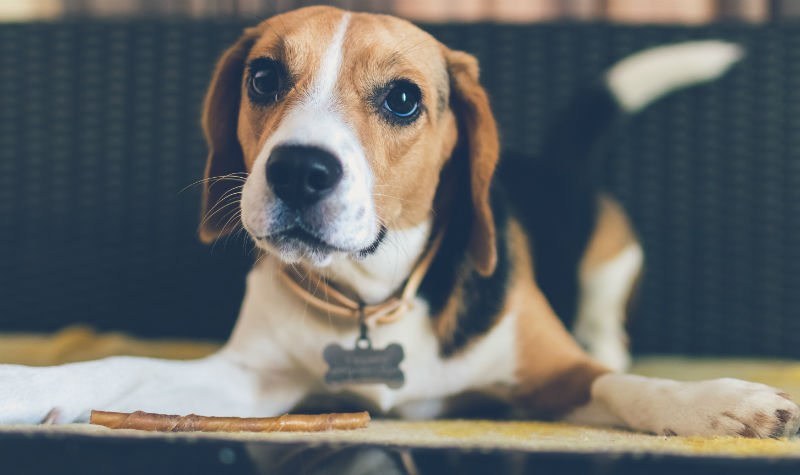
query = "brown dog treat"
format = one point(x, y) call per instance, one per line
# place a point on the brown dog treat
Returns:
point(193, 423)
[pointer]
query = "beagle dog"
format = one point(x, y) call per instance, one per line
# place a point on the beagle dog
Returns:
point(361, 156)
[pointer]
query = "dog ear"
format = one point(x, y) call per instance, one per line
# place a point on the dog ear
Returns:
point(225, 157)
point(470, 104)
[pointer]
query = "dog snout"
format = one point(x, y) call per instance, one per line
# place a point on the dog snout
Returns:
point(301, 175)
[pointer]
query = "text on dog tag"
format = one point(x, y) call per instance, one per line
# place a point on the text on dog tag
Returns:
point(364, 365)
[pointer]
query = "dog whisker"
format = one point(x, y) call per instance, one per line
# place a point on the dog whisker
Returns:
point(235, 219)
point(225, 202)
point(215, 179)
point(227, 208)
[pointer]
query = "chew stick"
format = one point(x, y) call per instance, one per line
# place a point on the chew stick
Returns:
point(286, 423)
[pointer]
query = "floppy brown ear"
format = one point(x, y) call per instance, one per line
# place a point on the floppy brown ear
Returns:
point(471, 107)
point(225, 157)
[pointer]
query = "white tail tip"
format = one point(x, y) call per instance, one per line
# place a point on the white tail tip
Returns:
point(640, 79)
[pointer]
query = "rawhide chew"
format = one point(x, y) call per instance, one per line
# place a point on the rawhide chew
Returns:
point(193, 423)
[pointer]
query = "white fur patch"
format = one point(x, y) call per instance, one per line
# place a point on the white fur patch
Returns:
point(328, 73)
point(640, 79)
point(348, 213)
point(376, 277)
point(275, 327)
point(604, 293)
point(211, 386)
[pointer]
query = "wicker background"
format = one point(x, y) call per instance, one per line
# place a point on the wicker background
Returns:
point(99, 134)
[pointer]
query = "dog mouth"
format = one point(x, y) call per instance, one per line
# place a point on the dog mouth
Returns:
point(295, 235)
point(297, 238)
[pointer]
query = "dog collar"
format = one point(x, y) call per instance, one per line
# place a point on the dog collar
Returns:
point(326, 298)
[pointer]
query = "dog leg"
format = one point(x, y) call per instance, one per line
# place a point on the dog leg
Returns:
point(214, 386)
point(705, 408)
point(605, 291)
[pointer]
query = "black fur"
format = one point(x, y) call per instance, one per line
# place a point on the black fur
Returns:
point(555, 202)
point(573, 136)
point(555, 199)
point(483, 296)
point(557, 210)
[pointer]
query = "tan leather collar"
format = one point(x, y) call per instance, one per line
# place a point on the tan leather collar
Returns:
point(326, 298)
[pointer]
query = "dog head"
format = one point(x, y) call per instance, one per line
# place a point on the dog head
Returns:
point(338, 126)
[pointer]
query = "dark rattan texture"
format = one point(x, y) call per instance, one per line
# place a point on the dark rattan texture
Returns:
point(99, 133)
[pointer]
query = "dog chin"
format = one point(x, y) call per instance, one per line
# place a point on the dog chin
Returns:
point(295, 245)
point(295, 252)
point(315, 257)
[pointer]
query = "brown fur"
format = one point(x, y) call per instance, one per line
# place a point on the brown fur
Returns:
point(220, 111)
point(405, 160)
point(472, 105)
point(555, 375)
point(446, 321)
point(235, 129)
point(612, 233)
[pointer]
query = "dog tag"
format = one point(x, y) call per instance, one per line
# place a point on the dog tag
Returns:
point(363, 364)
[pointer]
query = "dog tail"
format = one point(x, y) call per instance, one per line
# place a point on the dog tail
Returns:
point(630, 85)
point(644, 77)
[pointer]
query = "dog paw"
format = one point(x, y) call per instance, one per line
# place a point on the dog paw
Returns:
point(20, 397)
point(761, 412)
point(34, 396)
point(736, 408)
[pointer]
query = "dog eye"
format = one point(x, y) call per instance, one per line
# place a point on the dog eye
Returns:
point(403, 99)
point(265, 80)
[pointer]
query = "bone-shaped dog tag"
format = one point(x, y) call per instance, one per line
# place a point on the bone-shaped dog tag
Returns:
point(364, 365)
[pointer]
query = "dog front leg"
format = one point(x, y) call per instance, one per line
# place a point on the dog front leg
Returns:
point(705, 408)
point(211, 386)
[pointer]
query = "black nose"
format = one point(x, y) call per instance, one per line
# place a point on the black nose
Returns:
point(301, 175)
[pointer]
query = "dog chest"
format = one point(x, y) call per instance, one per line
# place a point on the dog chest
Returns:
point(290, 339)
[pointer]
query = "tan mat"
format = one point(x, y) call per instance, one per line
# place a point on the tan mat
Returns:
point(527, 436)
point(80, 343)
